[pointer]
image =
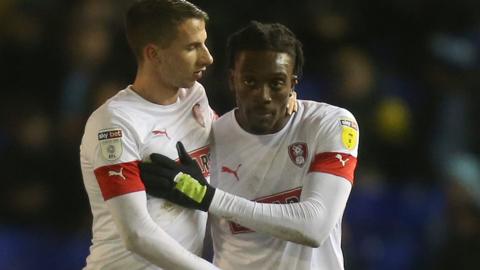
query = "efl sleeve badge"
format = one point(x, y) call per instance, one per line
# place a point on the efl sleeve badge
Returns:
point(349, 133)
point(110, 141)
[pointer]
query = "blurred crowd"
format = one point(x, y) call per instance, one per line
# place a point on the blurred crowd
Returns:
point(408, 70)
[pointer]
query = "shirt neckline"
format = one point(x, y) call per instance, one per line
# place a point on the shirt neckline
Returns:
point(143, 100)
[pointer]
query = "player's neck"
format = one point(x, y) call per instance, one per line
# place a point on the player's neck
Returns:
point(153, 90)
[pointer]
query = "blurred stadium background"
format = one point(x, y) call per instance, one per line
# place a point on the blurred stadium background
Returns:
point(409, 70)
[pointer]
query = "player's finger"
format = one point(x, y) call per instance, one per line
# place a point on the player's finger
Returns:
point(292, 103)
point(162, 160)
point(156, 184)
point(183, 154)
point(155, 170)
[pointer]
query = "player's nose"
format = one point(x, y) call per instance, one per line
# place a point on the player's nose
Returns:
point(206, 58)
point(264, 94)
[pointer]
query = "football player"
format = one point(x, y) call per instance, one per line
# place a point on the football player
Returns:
point(280, 182)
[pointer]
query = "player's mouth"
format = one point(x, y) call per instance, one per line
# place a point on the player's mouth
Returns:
point(198, 74)
point(263, 114)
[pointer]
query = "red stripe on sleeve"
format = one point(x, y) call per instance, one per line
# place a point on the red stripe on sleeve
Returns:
point(118, 179)
point(338, 164)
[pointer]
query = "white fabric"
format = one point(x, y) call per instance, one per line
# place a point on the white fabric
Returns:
point(308, 222)
point(265, 170)
point(144, 237)
point(139, 119)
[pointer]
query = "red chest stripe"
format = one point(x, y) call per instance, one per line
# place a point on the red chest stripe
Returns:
point(339, 164)
point(289, 196)
point(118, 179)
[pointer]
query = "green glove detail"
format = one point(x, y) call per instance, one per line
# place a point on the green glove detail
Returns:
point(190, 187)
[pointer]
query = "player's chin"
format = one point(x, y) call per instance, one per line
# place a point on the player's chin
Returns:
point(189, 84)
point(262, 124)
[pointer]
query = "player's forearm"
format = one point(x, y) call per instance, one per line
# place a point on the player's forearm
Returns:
point(290, 222)
point(142, 236)
point(308, 222)
point(160, 249)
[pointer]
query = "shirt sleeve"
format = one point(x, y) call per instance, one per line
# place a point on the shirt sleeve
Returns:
point(115, 154)
point(143, 236)
point(336, 145)
point(308, 222)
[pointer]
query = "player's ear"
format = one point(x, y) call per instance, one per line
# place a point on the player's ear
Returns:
point(231, 79)
point(151, 53)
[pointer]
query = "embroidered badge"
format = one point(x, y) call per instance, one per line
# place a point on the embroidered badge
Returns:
point(162, 132)
point(349, 133)
point(110, 143)
point(233, 172)
point(298, 153)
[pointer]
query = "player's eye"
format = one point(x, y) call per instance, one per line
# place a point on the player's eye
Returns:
point(249, 82)
point(192, 47)
point(277, 84)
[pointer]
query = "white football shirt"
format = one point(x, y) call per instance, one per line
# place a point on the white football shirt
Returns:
point(272, 169)
point(119, 134)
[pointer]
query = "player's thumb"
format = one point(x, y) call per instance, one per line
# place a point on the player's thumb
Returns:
point(182, 154)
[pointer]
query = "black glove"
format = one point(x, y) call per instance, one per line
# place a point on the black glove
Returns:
point(182, 183)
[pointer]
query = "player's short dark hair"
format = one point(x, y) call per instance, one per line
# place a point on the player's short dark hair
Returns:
point(257, 36)
point(156, 21)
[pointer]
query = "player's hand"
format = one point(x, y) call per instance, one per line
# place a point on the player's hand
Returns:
point(292, 103)
point(181, 183)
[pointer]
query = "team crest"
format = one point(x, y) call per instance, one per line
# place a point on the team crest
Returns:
point(110, 143)
point(298, 153)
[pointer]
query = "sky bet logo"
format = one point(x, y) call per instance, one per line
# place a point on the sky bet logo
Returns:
point(112, 134)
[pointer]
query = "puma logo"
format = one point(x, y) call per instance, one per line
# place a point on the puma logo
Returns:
point(340, 158)
point(161, 132)
point(234, 172)
point(119, 173)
